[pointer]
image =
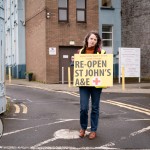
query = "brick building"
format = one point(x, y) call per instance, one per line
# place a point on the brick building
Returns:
point(55, 29)
point(136, 30)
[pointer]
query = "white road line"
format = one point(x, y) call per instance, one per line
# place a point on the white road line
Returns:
point(44, 142)
point(29, 100)
point(67, 134)
point(54, 148)
point(131, 107)
point(140, 131)
point(61, 134)
point(25, 109)
point(17, 131)
point(138, 120)
point(17, 108)
point(36, 87)
point(15, 119)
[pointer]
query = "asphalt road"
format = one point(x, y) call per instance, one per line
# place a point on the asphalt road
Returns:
point(39, 119)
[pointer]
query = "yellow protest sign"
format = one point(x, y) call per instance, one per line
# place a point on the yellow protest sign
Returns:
point(93, 70)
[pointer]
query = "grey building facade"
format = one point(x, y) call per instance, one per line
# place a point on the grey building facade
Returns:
point(136, 30)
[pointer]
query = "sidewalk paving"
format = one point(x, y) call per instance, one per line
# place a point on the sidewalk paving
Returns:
point(117, 88)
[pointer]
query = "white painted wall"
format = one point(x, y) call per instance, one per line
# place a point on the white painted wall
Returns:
point(15, 36)
point(2, 59)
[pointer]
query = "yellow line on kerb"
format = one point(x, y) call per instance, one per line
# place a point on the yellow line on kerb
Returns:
point(17, 108)
point(128, 106)
point(25, 109)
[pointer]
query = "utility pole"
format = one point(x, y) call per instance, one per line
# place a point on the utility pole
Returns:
point(2, 59)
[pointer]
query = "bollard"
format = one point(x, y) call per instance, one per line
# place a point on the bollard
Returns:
point(62, 75)
point(69, 82)
point(123, 78)
point(9, 74)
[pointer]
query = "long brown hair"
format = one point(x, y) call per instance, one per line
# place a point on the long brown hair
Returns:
point(98, 44)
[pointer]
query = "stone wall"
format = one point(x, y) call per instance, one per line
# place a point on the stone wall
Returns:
point(136, 30)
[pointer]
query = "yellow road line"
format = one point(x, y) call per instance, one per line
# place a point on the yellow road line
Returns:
point(17, 108)
point(128, 106)
point(25, 109)
point(7, 97)
point(144, 109)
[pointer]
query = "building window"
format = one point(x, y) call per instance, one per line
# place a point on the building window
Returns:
point(107, 35)
point(81, 10)
point(63, 10)
point(106, 3)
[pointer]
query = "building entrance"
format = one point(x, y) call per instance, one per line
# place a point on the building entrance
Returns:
point(65, 53)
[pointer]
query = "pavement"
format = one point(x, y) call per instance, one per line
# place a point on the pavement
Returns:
point(116, 88)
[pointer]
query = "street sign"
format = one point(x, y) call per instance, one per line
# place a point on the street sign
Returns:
point(52, 51)
point(129, 58)
point(93, 70)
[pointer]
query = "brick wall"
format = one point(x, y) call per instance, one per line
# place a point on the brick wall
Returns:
point(36, 38)
point(42, 33)
point(136, 30)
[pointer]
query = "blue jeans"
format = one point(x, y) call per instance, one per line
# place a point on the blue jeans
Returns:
point(85, 93)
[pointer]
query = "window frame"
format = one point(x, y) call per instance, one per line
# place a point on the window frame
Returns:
point(107, 32)
point(103, 6)
point(81, 9)
point(67, 12)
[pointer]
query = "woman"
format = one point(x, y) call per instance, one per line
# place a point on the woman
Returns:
point(92, 45)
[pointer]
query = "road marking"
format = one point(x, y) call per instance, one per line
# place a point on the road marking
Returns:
point(36, 87)
point(138, 120)
point(67, 134)
point(128, 106)
point(15, 119)
point(24, 108)
point(61, 121)
point(70, 93)
point(140, 131)
point(44, 142)
point(17, 108)
point(61, 134)
point(8, 97)
point(29, 100)
point(105, 147)
point(55, 148)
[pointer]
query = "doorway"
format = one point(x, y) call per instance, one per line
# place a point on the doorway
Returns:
point(65, 53)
